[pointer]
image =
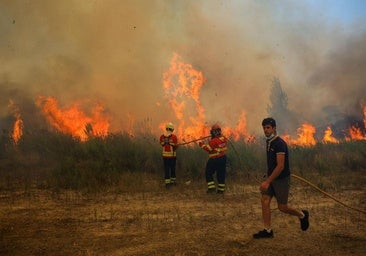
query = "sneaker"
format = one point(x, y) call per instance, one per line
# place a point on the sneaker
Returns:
point(263, 234)
point(305, 221)
point(220, 192)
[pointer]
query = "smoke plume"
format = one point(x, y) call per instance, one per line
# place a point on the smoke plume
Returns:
point(115, 52)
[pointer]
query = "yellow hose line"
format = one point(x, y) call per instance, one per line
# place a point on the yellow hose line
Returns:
point(325, 193)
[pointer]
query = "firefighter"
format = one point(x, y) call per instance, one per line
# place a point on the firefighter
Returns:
point(216, 148)
point(169, 142)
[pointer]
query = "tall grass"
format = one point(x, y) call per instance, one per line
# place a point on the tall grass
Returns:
point(58, 161)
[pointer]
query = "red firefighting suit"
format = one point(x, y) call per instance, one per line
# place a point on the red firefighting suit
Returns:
point(169, 142)
point(216, 149)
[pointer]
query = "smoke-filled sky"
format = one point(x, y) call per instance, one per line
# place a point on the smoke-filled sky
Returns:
point(115, 52)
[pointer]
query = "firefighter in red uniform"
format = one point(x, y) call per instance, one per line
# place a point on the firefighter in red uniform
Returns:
point(169, 142)
point(216, 148)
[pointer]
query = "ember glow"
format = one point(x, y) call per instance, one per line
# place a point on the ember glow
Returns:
point(74, 121)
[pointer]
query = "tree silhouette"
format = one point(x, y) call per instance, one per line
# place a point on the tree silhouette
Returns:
point(278, 107)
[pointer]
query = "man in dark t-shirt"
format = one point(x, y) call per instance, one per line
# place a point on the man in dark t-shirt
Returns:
point(275, 146)
point(277, 183)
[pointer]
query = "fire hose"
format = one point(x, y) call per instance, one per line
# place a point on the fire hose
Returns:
point(292, 175)
point(188, 142)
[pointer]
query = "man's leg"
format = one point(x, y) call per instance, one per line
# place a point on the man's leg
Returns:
point(289, 210)
point(302, 215)
point(266, 210)
point(267, 232)
point(282, 189)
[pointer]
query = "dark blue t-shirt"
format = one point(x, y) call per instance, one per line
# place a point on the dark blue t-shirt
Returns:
point(277, 146)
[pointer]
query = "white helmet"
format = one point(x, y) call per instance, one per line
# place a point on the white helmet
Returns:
point(169, 127)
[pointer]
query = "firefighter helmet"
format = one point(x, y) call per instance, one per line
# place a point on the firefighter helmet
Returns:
point(215, 130)
point(169, 127)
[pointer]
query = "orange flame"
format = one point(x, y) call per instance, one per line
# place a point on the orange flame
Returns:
point(183, 83)
point(240, 131)
point(364, 120)
point(364, 116)
point(305, 136)
point(18, 124)
point(355, 132)
point(73, 121)
point(328, 136)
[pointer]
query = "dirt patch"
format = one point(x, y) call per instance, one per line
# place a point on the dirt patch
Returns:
point(180, 221)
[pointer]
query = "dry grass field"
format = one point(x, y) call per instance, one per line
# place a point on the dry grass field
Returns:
point(183, 220)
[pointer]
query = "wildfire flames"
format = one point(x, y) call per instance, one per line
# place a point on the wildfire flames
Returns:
point(305, 136)
point(18, 124)
point(307, 131)
point(73, 121)
point(328, 136)
point(182, 86)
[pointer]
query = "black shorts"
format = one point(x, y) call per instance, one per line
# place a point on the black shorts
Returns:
point(279, 189)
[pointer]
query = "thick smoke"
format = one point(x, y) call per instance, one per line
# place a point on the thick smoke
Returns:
point(115, 52)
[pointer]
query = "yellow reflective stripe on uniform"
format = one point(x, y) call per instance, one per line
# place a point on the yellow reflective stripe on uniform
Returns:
point(170, 153)
point(221, 149)
point(218, 151)
point(221, 187)
point(173, 153)
point(211, 184)
point(207, 147)
point(214, 154)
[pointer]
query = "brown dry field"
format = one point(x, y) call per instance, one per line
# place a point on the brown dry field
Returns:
point(183, 220)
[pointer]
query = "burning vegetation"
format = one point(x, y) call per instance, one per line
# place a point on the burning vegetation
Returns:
point(73, 120)
point(182, 85)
